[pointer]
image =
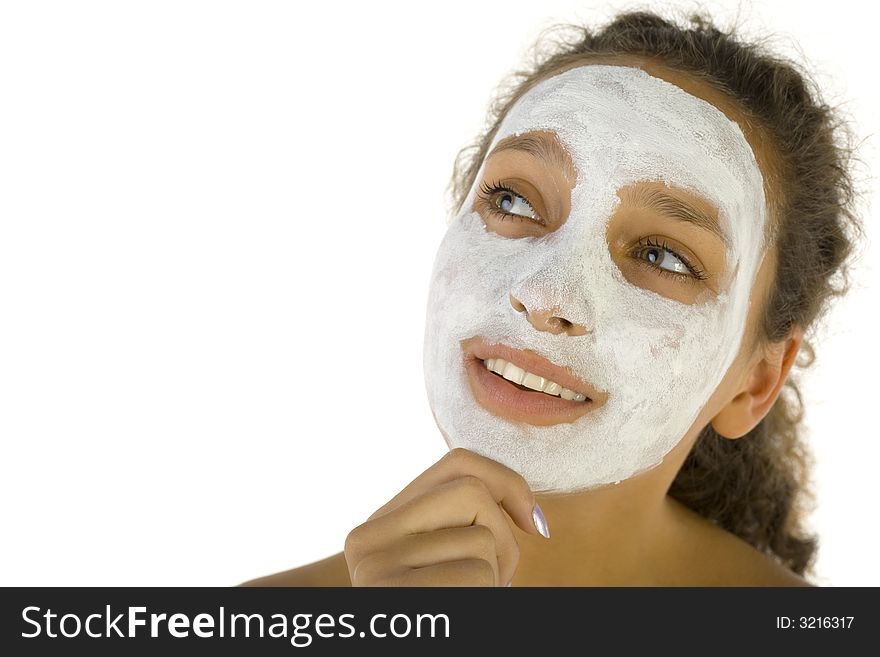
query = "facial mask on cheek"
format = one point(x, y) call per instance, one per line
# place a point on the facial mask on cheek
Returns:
point(659, 360)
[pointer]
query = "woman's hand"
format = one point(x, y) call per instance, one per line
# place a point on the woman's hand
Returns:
point(446, 528)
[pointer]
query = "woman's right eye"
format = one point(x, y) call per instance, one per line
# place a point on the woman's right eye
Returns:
point(505, 203)
point(510, 202)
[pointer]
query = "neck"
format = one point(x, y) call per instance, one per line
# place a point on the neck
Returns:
point(609, 536)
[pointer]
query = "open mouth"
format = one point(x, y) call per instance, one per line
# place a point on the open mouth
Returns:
point(525, 380)
point(510, 391)
point(516, 384)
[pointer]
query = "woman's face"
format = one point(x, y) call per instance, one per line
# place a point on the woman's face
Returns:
point(594, 291)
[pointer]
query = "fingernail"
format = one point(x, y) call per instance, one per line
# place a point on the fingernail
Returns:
point(510, 583)
point(540, 521)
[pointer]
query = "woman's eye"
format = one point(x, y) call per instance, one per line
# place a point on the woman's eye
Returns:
point(664, 259)
point(667, 261)
point(514, 204)
point(503, 202)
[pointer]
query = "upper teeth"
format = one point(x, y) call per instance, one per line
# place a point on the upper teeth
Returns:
point(518, 375)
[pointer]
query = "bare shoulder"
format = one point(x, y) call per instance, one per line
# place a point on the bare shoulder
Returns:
point(715, 557)
point(332, 571)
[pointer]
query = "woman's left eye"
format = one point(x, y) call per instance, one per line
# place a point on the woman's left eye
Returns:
point(667, 262)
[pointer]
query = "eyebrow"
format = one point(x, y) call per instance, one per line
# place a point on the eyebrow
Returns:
point(540, 146)
point(677, 208)
point(552, 152)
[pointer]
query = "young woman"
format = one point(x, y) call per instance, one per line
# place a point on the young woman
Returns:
point(653, 219)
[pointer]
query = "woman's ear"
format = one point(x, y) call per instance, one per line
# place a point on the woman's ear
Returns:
point(763, 383)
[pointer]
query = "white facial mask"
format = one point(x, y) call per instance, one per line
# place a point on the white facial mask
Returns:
point(658, 359)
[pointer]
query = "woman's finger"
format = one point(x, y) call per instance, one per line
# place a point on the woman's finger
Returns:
point(444, 545)
point(467, 572)
point(461, 502)
point(507, 487)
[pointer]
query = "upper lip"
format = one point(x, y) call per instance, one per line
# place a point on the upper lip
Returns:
point(534, 363)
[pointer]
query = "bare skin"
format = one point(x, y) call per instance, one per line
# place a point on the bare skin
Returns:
point(467, 520)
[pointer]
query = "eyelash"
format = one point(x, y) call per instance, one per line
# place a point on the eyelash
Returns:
point(490, 190)
point(697, 273)
point(487, 191)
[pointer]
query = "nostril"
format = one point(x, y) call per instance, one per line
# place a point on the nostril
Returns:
point(517, 305)
point(545, 320)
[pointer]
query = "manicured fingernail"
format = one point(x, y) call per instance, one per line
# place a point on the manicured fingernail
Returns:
point(540, 521)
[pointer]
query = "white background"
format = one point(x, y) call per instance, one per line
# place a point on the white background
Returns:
point(217, 223)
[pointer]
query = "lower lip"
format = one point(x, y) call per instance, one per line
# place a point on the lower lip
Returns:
point(500, 397)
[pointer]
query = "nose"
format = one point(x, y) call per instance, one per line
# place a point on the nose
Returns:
point(548, 320)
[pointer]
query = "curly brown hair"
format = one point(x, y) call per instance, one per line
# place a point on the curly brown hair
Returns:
point(756, 487)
